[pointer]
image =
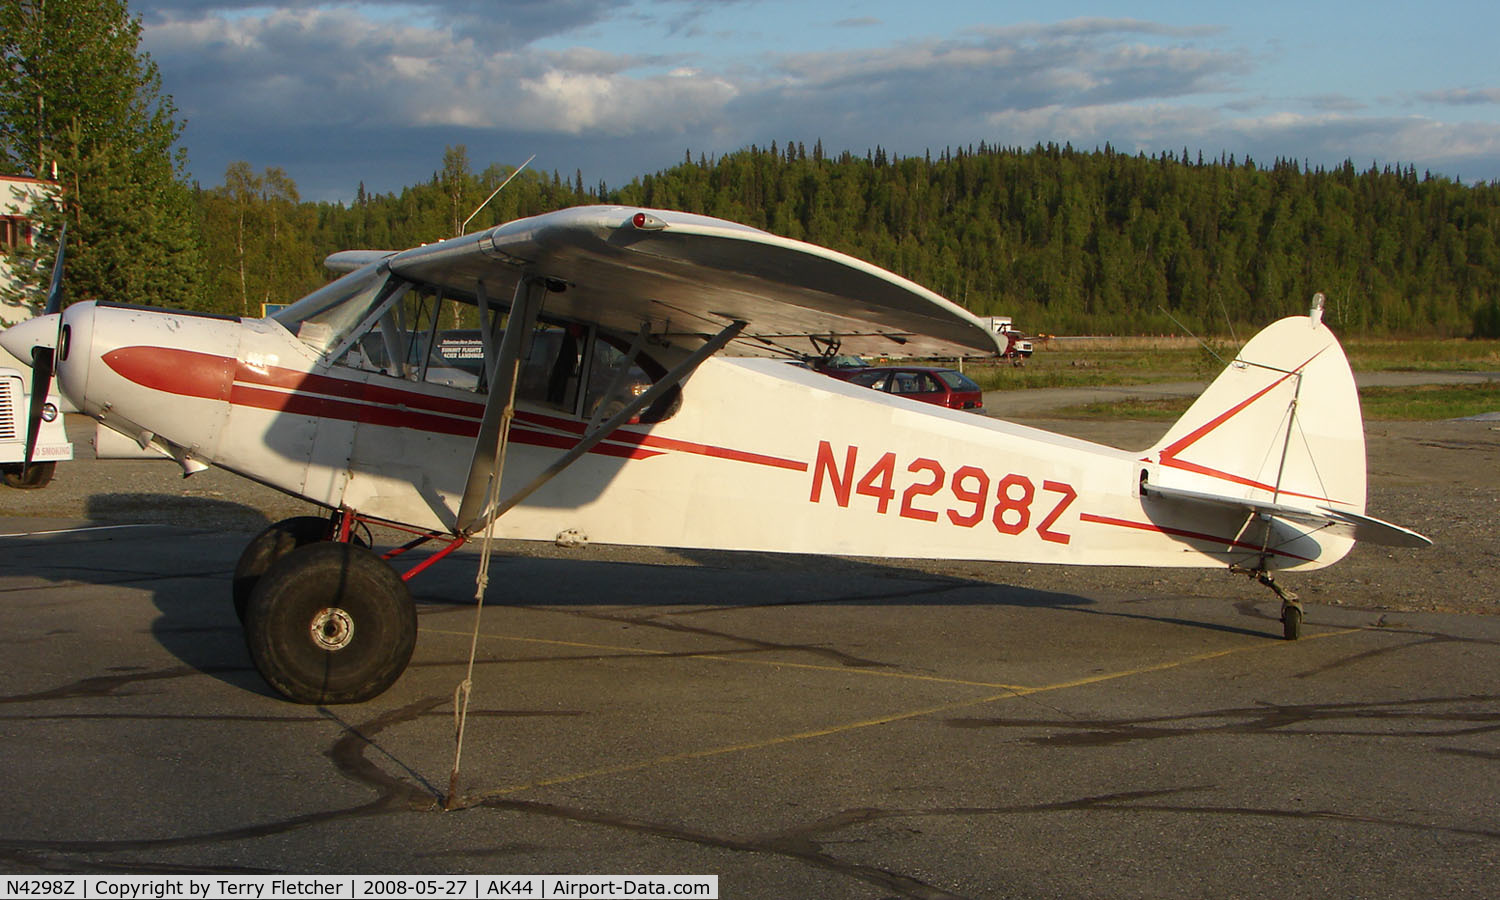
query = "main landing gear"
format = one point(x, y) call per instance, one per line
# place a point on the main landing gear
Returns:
point(1291, 607)
point(327, 620)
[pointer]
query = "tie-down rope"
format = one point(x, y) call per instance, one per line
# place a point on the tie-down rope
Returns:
point(481, 583)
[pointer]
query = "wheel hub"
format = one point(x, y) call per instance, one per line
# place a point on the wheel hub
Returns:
point(332, 628)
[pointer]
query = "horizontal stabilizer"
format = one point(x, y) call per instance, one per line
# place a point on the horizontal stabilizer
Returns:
point(1356, 525)
point(1379, 531)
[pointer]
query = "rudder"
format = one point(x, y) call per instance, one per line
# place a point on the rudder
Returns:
point(1280, 425)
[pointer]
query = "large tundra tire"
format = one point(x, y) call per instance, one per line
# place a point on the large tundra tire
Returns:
point(330, 623)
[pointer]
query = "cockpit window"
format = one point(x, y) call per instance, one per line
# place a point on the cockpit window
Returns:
point(571, 369)
point(326, 318)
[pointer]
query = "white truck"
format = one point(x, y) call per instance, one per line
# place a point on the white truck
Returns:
point(1017, 346)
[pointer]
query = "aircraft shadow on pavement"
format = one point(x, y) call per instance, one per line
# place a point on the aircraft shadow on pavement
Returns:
point(709, 579)
point(171, 509)
point(189, 573)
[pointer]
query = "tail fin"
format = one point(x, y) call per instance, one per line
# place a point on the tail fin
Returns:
point(1279, 434)
point(1281, 425)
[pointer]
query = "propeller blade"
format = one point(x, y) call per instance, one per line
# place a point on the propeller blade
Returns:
point(41, 382)
point(43, 358)
point(55, 291)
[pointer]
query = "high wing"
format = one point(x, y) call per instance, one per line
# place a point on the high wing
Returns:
point(688, 277)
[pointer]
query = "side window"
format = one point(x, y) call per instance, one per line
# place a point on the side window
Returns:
point(552, 372)
point(906, 383)
point(614, 380)
point(404, 342)
point(456, 360)
point(15, 231)
point(367, 354)
point(570, 369)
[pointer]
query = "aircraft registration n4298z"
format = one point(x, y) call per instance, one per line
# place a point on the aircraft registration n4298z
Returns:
point(633, 380)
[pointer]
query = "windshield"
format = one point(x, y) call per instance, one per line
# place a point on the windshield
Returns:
point(325, 317)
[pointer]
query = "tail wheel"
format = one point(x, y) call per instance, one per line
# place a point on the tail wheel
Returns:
point(31, 477)
point(1291, 622)
point(272, 544)
point(330, 623)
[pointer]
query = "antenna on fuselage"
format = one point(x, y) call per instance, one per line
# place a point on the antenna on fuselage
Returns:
point(1201, 342)
point(462, 229)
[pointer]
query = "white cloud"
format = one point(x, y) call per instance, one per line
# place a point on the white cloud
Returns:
point(337, 66)
point(273, 73)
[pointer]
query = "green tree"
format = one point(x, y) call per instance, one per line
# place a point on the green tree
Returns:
point(458, 187)
point(81, 104)
point(259, 239)
point(1062, 239)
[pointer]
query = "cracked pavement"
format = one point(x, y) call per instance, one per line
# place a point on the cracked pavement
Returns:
point(830, 728)
point(799, 726)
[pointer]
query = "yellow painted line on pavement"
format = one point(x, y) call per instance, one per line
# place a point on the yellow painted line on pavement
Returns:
point(720, 657)
point(1008, 693)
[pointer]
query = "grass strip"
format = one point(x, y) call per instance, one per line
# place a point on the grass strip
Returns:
point(1418, 403)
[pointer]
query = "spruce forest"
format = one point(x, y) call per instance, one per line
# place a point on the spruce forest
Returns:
point(1066, 241)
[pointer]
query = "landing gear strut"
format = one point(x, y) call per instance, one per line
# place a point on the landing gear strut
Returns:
point(1291, 607)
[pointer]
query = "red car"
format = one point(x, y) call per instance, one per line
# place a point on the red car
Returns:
point(945, 387)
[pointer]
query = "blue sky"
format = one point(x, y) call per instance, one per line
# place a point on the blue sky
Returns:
point(339, 93)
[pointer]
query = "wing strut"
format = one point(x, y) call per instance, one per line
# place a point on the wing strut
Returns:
point(677, 375)
point(487, 333)
point(500, 408)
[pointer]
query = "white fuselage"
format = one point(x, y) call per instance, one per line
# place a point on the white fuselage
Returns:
point(761, 455)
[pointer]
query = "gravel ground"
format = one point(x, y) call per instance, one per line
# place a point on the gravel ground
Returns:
point(1439, 478)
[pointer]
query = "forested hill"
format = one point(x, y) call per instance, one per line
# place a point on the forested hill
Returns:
point(1065, 241)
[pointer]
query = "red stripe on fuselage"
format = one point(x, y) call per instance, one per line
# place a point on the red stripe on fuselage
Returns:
point(322, 407)
point(189, 373)
point(1183, 533)
point(180, 372)
point(1169, 453)
point(308, 382)
point(665, 443)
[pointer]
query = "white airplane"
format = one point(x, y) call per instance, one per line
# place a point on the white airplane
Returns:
point(637, 386)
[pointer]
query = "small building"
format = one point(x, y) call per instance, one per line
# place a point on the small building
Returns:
point(18, 197)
